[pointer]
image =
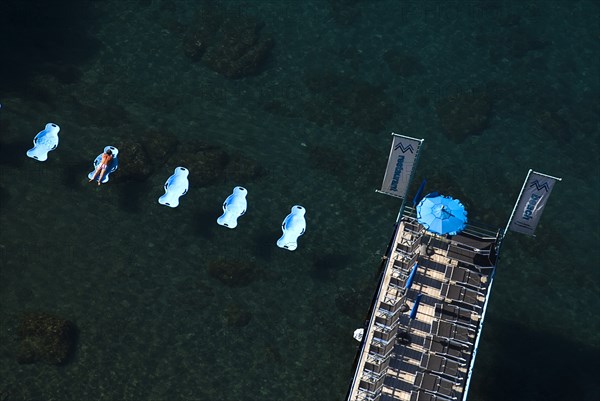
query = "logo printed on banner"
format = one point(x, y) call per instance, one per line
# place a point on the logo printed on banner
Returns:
point(397, 172)
point(530, 207)
point(404, 149)
point(539, 186)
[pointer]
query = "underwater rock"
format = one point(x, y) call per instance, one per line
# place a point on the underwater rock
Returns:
point(340, 100)
point(202, 30)
point(464, 114)
point(233, 272)
point(243, 169)
point(45, 338)
point(139, 166)
point(159, 145)
point(236, 315)
point(209, 163)
point(403, 64)
point(143, 156)
point(241, 51)
point(206, 163)
point(229, 44)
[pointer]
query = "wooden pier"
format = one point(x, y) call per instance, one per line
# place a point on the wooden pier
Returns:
point(426, 352)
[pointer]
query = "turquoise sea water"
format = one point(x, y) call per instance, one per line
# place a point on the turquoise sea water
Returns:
point(134, 275)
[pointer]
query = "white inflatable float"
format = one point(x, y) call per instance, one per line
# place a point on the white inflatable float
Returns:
point(293, 227)
point(176, 186)
point(112, 165)
point(234, 206)
point(358, 334)
point(45, 141)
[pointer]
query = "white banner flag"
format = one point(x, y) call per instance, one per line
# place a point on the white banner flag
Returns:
point(401, 163)
point(531, 202)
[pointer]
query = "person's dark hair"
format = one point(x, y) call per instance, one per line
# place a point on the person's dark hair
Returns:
point(109, 152)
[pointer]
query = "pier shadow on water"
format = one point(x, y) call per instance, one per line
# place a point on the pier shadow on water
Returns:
point(517, 363)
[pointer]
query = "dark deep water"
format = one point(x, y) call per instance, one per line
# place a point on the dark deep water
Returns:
point(157, 319)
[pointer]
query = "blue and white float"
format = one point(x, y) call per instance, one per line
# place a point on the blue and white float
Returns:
point(234, 206)
point(293, 226)
point(45, 141)
point(112, 165)
point(176, 186)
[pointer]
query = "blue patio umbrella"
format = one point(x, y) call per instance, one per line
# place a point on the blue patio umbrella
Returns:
point(413, 311)
point(411, 277)
point(441, 214)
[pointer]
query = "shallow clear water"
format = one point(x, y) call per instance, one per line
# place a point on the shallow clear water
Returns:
point(133, 275)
